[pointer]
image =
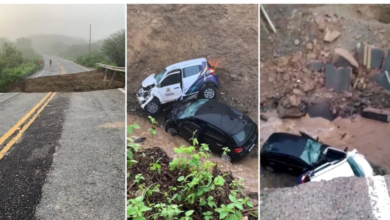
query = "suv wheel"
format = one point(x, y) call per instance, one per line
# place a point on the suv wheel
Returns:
point(153, 107)
point(171, 130)
point(209, 92)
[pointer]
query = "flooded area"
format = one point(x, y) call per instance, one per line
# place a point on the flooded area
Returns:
point(369, 137)
point(247, 169)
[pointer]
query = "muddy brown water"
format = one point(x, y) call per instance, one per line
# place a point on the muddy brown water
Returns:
point(247, 169)
point(369, 137)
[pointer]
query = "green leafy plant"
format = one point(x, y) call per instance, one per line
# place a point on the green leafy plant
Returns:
point(152, 130)
point(194, 186)
point(156, 166)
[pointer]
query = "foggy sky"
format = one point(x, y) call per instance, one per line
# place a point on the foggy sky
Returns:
point(72, 20)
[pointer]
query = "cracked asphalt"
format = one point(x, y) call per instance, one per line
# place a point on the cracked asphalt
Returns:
point(70, 162)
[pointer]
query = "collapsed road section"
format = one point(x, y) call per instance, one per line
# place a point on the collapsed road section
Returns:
point(78, 82)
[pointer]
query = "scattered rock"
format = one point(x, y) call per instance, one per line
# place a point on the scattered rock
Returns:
point(294, 100)
point(280, 70)
point(348, 56)
point(296, 42)
point(263, 117)
point(376, 114)
point(139, 140)
point(321, 23)
point(309, 46)
point(233, 76)
point(290, 112)
point(315, 66)
point(282, 61)
point(311, 56)
point(308, 86)
point(331, 36)
point(286, 77)
point(298, 92)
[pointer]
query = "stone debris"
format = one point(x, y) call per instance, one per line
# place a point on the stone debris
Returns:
point(331, 36)
point(315, 66)
point(338, 80)
point(376, 114)
point(347, 56)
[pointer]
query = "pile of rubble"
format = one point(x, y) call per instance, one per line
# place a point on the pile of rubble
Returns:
point(341, 82)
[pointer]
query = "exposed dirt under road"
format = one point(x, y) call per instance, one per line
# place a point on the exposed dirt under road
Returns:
point(227, 35)
point(286, 82)
point(78, 82)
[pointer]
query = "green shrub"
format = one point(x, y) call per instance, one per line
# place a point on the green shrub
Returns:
point(13, 74)
point(91, 60)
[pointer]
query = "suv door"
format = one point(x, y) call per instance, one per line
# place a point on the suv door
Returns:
point(170, 86)
point(187, 129)
point(214, 138)
point(190, 74)
point(295, 165)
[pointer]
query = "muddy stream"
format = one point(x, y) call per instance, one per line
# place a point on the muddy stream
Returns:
point(369, 137)
point(247, 169)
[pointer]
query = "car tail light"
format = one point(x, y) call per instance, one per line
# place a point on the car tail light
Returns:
point(211, 71)
point(238, 150)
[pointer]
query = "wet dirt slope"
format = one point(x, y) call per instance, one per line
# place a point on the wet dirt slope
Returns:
point(160, 35)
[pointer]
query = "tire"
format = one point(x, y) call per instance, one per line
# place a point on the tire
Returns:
point(171, 130)
point(208, 92)
point(153, 107)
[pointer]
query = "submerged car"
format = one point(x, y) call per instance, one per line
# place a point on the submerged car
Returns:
point(176, 82)
point(215, 124)
point(310, 159)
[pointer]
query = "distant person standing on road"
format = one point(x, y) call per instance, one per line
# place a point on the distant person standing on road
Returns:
point(40, 63)
point(50, 62)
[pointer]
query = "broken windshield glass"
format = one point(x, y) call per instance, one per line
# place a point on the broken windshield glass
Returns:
point(312, 152)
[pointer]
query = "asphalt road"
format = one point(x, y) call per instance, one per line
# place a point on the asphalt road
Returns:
point(339, 199)
point(62, 155)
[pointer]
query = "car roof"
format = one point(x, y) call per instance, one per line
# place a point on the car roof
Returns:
point(222, 116)
point(186, 63)
point(287, 144)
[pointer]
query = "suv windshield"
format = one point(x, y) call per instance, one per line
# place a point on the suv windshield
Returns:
point(192, 108)
point(312, 152)
point(244, 134)
point(159, 76)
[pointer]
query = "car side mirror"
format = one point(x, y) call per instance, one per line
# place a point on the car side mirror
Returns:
point(345, 150)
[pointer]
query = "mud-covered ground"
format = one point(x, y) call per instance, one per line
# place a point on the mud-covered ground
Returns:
point(227, 35)
point(287, 84)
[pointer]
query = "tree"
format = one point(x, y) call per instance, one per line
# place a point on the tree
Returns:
point(10, 57)
point(23, 43)
point(114, 47)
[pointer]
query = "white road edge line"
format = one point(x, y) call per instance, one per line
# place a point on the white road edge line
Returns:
point(379, 197)
point(44, 69)
point(122, 90)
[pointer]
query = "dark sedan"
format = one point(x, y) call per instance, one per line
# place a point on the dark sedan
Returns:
point(215, 124)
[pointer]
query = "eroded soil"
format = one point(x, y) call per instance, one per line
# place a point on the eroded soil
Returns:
point(77, 82)
point(227, 35)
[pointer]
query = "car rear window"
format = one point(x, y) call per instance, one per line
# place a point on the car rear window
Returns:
point(245, 133)
point(312, 152)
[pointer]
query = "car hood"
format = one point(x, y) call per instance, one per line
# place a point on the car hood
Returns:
point(148, 81)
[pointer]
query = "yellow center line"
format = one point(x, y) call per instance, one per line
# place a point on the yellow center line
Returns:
point(21, 121)
point(19, 135)
point(42, 104)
